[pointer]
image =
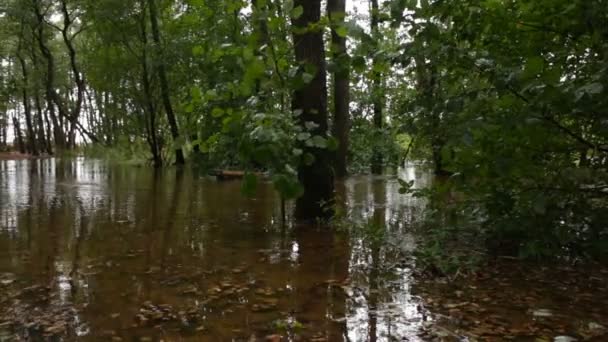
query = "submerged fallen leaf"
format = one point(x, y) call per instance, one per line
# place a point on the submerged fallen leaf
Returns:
point(542, 313)
point(564, 339)
point(273, 338)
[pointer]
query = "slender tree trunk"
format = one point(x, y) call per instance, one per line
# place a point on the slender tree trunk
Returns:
point(108, 112)
point(311, 100)
point(336, 10)
point(42, 138)
point(377, 97)
point(27, 108)
point(260, 37)
point(51, 94)
point(45, 135)
point(18, 134)
point(164, 84)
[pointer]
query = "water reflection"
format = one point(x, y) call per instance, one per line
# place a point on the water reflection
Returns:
point(112, 244)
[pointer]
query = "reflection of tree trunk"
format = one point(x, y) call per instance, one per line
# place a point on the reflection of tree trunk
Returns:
point(323, 265)
point(171, 215)
point(379, 222)
point(336, 10)
point(53, 241)
point(77, 248)
point(311, 100)
point(164, 83)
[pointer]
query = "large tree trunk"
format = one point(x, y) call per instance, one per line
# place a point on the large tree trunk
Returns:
point(377, 97)
point(311, 99)
point(336, 10)
point(164, 84)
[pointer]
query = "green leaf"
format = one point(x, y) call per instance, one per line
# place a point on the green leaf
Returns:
point(303, 136)
point(250, 183)
point(342, 31)
point(217, 112)
point(319, 141)
point(198, 50)
point(592, 88)
point(534, 66)
point(307, 78)
point(297, 12)
point(359, 64)
point(288, 186)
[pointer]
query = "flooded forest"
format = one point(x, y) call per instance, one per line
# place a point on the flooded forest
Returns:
point(303, 170)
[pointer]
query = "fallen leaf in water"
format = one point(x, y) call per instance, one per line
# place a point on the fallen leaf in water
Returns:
point(564, 339)
point(543, 313)
point(454, 306)
point(273, 338)
point(191, 290)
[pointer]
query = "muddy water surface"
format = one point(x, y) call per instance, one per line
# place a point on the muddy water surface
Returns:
point(92, 251)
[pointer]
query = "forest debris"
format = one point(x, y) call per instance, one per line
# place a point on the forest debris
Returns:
point(542, 313)
point(273, 338)
point(564, 339)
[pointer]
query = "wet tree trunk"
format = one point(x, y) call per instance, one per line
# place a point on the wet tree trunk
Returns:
point(74, 115)
point(149, 104)
point(164, 84)
point(336, 10)
point(3, 127)
point(43, 141)
point(107, 126)
point(27, 108)
point(52, 97)
point(311, 100)
point(427, 84)
point(260, 37)
point(377, 98)
point(44, 134)
point(18, 134)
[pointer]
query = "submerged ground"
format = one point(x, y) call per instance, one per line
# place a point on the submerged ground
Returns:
point(94, 251)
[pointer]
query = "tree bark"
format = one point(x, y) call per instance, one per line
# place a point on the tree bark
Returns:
point(336, 10)
point(377, 98)
point(27, 108)
point(164, 84)
point(149, 105)
point(311, 99)
point(18, 135)
point(51, 95)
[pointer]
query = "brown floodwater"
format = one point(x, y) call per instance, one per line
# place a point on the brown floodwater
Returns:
point(94, 251)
